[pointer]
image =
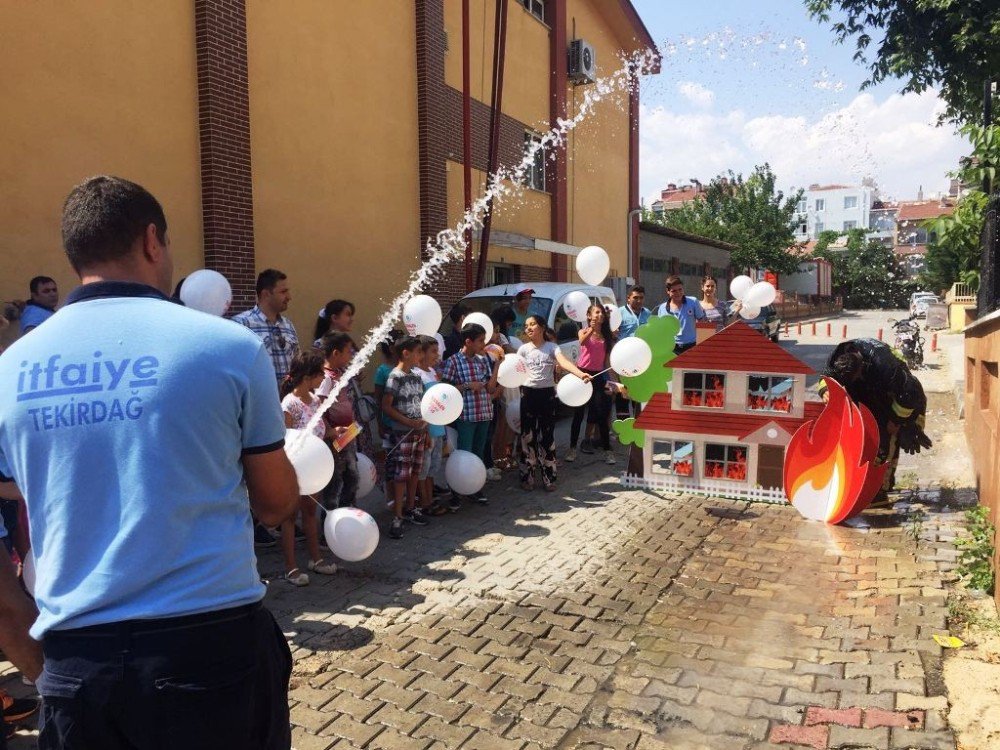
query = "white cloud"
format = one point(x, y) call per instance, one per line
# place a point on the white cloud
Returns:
point(697, 94)
point(896, 141)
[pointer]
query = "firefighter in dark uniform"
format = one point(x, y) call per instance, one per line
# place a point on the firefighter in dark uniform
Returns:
point(873, 375)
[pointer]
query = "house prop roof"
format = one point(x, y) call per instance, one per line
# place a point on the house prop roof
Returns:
point(739, 348)
point(659, 416)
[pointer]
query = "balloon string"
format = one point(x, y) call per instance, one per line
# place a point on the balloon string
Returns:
point(600, 373)
point(318, 503)
point(401, 440)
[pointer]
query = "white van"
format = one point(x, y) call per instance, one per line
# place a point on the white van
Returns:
point(547, 301)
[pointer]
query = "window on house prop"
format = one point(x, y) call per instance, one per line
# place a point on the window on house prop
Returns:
point(674, 457)
point(534, 176)
point(535, 8)
point(725, 461)
point(705, 389)
point(769, 393)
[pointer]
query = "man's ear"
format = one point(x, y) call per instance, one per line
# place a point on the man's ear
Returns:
point(152, 246)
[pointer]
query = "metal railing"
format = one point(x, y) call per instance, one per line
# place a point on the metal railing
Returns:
point(960, 294)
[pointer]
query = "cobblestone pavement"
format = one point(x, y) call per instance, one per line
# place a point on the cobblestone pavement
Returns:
point(598, 618)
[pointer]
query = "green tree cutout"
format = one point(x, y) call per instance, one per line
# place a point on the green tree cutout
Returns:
point(659, 333)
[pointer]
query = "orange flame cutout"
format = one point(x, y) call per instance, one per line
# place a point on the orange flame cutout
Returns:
point(829, 474)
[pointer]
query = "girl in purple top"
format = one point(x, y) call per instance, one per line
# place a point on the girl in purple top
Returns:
point(596, 341)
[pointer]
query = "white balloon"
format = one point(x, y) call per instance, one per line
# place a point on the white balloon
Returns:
point(749, 312)
point(739, 286)
point(614, 317)
point(576, 305)
point(422, 316)
point(631, 357)
point(762, 293)
point(572, 391)
point(465, 472)
point(481, 319)
point(593, 265)
point(207, 291)
point(367, 476)
point(351, 534)
point(515, 342)
point(441, 404)
point(311, 459)
point(513, 371)
point(28, 571)
point(451, 434)
point(440, 339)
point(512, 413)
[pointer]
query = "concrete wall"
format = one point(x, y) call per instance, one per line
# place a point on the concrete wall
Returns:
point(90, 89)
point(982, 412)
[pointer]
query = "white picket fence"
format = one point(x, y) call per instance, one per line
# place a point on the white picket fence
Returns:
point(706, 487)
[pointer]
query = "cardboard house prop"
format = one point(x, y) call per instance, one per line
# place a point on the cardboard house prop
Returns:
point(734, 403)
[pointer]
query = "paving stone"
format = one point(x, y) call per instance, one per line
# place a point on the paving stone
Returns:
point(846, 717)
point(878, 718)
point(851, 738)
point(793, 734)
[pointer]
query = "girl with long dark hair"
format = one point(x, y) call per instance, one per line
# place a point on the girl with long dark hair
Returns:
point(596, 340)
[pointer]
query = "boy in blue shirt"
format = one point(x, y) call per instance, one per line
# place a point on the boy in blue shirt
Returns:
point(685, 309)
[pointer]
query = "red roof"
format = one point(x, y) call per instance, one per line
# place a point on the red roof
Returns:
point(659, 416)
point(817, 188)
point(739, 348)
point(910, 249)
point(680, 195)
point(920, 210)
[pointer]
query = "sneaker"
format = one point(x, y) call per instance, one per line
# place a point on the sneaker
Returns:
point(323, 567)
point(609, 458)
point(262, 537)
point(436, 509)
point(571, 455)
point(857, 522)
point(480, 498)
point(454, 503)
point(493, 474)
point(586, 447)
point(441, 491)
point(396, 529)
point(408, 515)
point(881, 500)
point(296, 577)
point(418, 518)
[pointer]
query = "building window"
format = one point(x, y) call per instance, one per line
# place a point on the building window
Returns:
point(534, 176)
point(820, 204)
point(803, 228)
point(848, 225)
point(705, 389)
point(725, 461)
point(535, 8)
point(850, 201)
point(819, 228)
point(802, 206)
point(769, 393)
point(673, 457)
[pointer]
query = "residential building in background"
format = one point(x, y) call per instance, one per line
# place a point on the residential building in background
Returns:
point(323, 138)
point(673, 197)
point(882, 222)
point(912, 237)
point(837, 208)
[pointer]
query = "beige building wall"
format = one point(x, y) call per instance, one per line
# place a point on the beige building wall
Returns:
point(333, 130)
point(94, 88)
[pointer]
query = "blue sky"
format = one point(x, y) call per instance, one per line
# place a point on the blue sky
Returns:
point(748, 82)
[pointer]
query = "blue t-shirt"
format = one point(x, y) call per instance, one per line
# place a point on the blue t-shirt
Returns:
point(688, 315)
point(123, 421)
point(631, 321)
point(34, 315)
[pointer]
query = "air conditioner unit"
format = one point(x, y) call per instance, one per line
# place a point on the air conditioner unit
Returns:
point(582, 62)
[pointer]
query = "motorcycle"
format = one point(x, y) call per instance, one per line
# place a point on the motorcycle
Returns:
point(908, 341)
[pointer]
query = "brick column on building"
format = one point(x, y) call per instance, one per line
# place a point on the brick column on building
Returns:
point(555, 17)
point(224, 129)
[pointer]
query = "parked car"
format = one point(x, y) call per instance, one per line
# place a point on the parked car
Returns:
point(919, 302)
point(768, 322)
point(547, 301)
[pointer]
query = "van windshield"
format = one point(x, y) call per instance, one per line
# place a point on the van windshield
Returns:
point(539, 306)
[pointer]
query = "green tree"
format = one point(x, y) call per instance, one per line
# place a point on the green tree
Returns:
point(954, 254)
point(951, 45)
point(748, 213)
point(865, 272)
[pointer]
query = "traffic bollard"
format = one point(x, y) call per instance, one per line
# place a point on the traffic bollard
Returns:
point(879, 334)
point(814, 329)
point(798, 331)
point(844, 333)
point(934, 343)
point(829, 330)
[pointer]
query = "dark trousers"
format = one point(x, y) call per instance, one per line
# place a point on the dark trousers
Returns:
point(598, 411)
point(538, 444)
point(343, 487)
point(199, 682)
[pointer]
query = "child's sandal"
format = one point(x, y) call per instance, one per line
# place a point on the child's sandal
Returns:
point(296, 577)
point(322, 567)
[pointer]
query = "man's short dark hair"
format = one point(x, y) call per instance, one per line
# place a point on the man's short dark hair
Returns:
point(38, 281)
point(268, 279)
point(502, 316)
point(406, 344)
point(672, 280)
point(458, 312)
point(102, 218)
point(472, 331)
point(637, 288)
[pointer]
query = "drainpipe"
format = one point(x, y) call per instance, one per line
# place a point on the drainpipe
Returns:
point(630, 265)
point(467, 139)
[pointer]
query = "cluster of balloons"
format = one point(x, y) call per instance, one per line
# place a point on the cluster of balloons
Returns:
point(751, 296)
